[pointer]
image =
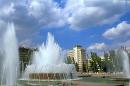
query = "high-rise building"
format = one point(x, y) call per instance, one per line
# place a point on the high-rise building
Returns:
point(79, 56)
point(70, 55)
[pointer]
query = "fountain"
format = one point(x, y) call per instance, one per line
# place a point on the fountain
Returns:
point(125, 66)
point(11, 57)
point(125, 61)
point(48, 65)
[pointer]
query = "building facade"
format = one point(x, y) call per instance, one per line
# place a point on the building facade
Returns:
point(78, 54)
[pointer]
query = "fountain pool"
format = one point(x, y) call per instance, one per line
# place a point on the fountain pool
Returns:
point(48, 65)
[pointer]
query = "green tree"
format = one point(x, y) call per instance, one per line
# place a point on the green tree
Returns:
point(95, 63)
point(69, 60)
point(106, 62)
point(112, 62)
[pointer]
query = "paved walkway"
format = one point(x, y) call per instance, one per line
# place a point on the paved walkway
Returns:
point(79, 83)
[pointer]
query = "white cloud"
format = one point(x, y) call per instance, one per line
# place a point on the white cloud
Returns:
point(126, 44)
point(31, 15)
point(47, 12)
point(97, 46)
point(121, 30)
point(78, 14)
point(7, 10)
point(83, 14)
point(25, 43)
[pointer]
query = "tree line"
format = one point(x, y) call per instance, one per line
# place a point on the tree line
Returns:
point(109, 63)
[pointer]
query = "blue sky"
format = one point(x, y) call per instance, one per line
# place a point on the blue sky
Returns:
point(96, 25)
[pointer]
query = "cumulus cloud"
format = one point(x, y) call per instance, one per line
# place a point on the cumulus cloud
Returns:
point(47, 12)
point(83, 14)
point(7, 10)
point(31, 15)
point(121, 30)
point(125, 43)
point(97, 46)
point(25, 43)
